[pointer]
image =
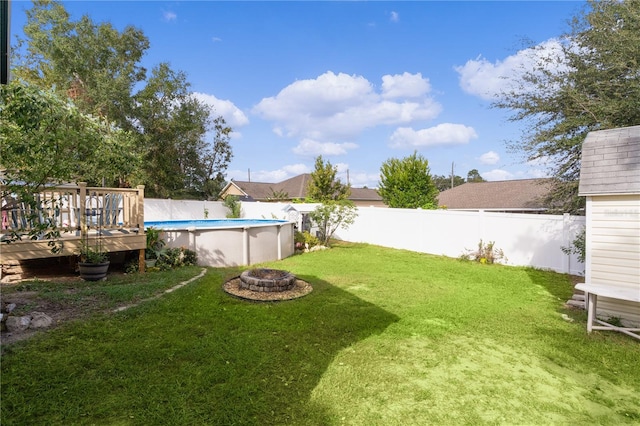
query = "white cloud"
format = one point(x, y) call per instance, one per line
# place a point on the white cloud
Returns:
point(405, 85)
point(216, 39)
point(340, 106)
point(486, 79)
point(394, 16)
point(358, 180)
point(497, 174)
point(269, 176)
point(169, 16)
point(231, 113)
point(309, 147)
point(442, 134)
point(490, 157)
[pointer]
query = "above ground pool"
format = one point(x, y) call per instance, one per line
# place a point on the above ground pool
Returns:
point(230, 242)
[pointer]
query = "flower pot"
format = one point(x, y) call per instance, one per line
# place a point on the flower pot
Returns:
point(150, 263)
point(93, 271)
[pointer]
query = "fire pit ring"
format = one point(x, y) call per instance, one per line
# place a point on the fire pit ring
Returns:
point(267, 280)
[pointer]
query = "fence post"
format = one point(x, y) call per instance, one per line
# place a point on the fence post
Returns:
point(83, 211)
point(140, 221)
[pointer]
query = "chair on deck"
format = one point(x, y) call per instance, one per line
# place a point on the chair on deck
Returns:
point(112, 209)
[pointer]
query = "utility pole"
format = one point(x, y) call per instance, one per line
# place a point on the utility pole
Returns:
point(249, 174)
point(452, 175)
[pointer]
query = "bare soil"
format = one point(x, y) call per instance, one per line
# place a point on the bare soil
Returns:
point(28, 301)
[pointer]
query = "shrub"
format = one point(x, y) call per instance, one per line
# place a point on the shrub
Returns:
point(175, 258)
point(304, 240)
point(578, 246)
point(485, 254)
point(232, 202)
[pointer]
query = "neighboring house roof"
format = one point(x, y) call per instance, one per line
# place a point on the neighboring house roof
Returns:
point(364, 194)
point(611, 162)
point(506, 195)
point(295, 187)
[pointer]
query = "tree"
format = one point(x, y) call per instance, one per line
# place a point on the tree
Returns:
point(99, 68)
point(324, 185)
point(407, 183)
point(44, 139)
point(444, 182)
point(336, 210)
point(95, 64)
point(591, 83)
point(332, 215)
point(172, 125)
point(474, 176)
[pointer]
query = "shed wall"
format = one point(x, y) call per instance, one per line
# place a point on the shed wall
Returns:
point(613, 245)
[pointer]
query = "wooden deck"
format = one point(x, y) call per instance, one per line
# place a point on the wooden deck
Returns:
point(78, 212)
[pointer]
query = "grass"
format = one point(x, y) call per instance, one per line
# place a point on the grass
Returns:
point(387, 337)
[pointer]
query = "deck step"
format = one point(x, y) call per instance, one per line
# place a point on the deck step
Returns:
point(578, 297)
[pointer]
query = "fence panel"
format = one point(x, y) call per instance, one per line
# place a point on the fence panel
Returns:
point(526, 239)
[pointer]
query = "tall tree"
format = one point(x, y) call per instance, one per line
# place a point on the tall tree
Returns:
point(407, 183)
point(474, 176)
point(216, 158)
point(99, 68)
point(324, 185)
point(591, 83)
point(95, 64)
point(444, 182)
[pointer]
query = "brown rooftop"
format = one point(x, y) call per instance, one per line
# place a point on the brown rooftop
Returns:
point(509, 195)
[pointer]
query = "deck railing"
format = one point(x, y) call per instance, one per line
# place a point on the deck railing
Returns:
point(69, 207)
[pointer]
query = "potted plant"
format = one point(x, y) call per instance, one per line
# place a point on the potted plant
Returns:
point(94, 260)
point(155, 247)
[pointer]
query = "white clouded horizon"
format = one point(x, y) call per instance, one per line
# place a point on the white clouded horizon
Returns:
point(338, 107)
point(231, 113)
point(309, 147)
point(497, 174)
point(490, 157)
point(269, 176)
point(487, 80)
point(442, 134)
point(405, 85)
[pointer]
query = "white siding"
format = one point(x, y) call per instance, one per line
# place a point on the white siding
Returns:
point(613, 250)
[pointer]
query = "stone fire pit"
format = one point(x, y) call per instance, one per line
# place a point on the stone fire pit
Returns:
point(267, 284)
point(268, 280)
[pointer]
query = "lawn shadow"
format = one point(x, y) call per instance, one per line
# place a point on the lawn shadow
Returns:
point(557, 284)
point(195, 356)
point(287, 348)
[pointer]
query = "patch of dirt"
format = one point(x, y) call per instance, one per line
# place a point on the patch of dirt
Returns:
point(28, 301)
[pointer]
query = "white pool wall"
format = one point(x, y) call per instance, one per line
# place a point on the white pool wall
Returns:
point(238, 246)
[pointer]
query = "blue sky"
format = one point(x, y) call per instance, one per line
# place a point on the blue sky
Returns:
point(356, 82)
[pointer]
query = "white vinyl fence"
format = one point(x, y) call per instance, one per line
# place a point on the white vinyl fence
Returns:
point(526, 239)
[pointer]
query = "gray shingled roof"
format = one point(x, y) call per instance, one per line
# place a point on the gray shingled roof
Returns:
point(525, 194)
point(296, 187)
point(611, 162)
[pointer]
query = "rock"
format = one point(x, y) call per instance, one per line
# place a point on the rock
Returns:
point(40, 320)
point(14, 324)
point(10, 307)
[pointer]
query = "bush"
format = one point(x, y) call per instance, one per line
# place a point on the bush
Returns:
point(485, 254)
point(304, 240)
point(578, 246)
point(172, 258)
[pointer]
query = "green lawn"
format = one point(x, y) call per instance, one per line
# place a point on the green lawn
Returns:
point(387, 337)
